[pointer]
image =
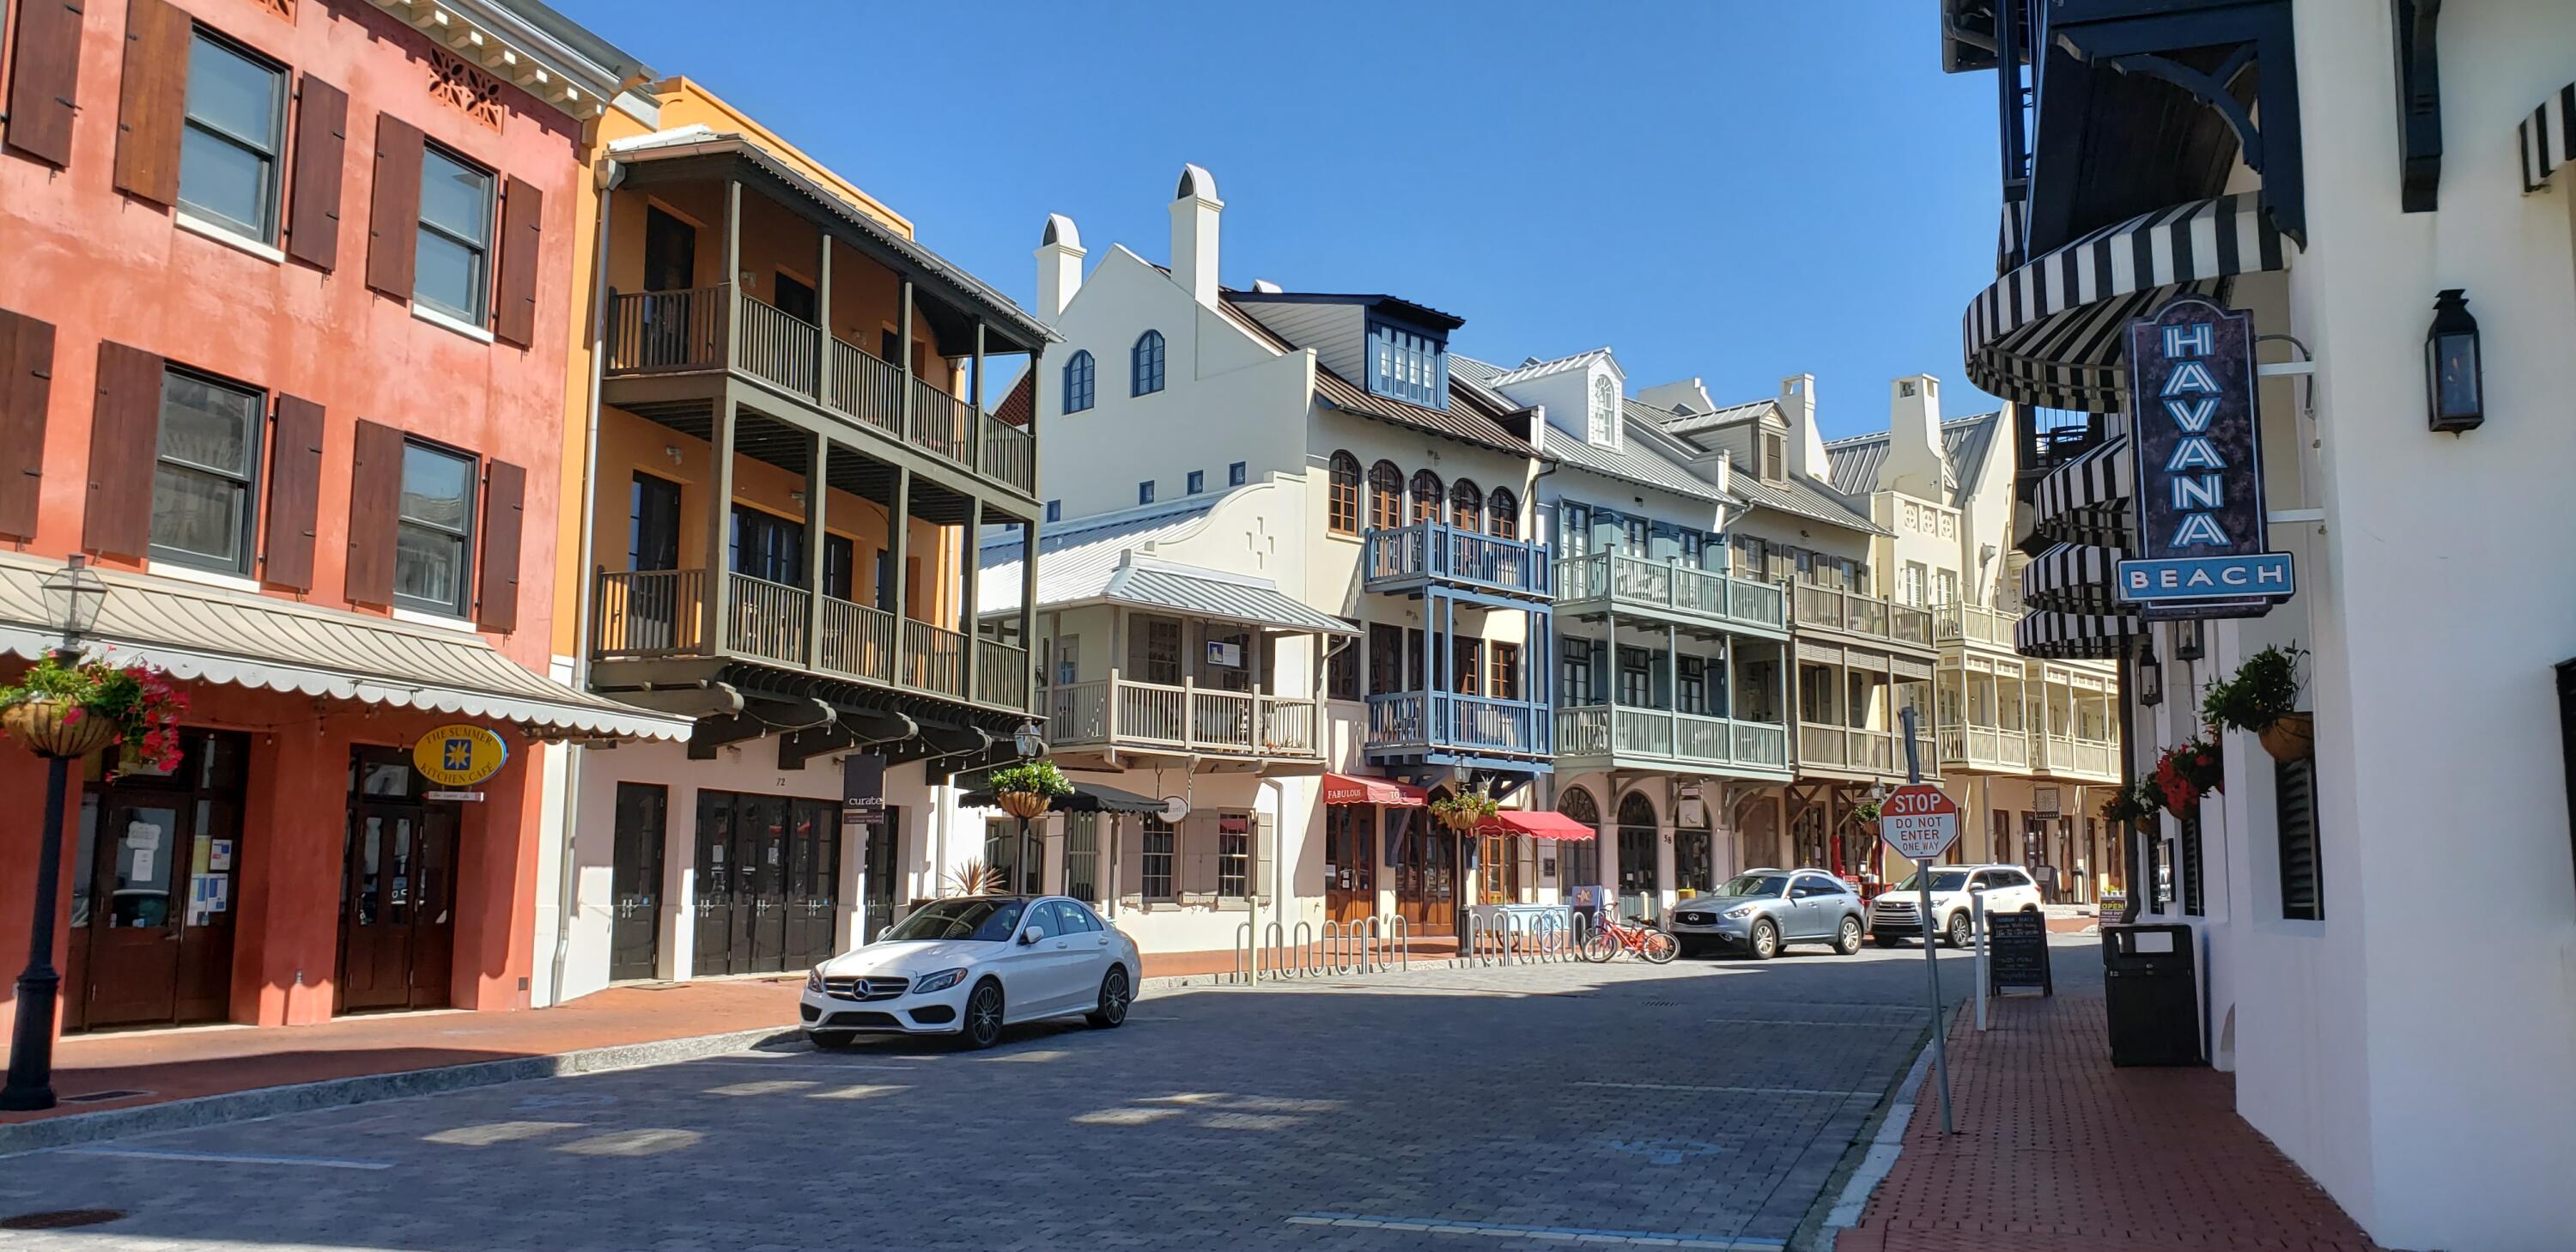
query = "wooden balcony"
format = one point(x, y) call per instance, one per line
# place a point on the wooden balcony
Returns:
point(1619, 736)
point(1442, 724)
point(1435, 554)
point(662, 614)
point(1985, 750)
point(1873, 618)
point(1670, 590)
point(718, 329)
point(1122, 714)
point(1856, 750)
point(2079, 760)
point(1965, 623)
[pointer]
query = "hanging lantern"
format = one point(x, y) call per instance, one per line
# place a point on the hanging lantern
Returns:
point(2452, 375)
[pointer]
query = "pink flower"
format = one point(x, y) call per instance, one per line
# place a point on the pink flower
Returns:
point(71, 715)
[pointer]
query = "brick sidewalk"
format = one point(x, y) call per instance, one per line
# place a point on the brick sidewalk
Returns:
point(2058, 1150)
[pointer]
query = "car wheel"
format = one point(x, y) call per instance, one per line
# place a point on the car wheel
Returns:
point(1765, 943)
point(1847, 939)
point(1958, 935)
point(834, 1041)
point(983, 1026)
point(1114, 999)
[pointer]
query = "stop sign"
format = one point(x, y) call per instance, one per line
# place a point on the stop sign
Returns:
point(1918, 821)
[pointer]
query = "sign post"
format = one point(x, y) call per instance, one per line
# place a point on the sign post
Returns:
point(1921, 824)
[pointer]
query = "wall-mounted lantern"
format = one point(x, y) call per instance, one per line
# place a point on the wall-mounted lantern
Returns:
point(2187, 643)
point(2151, 678)
point(2451, 371)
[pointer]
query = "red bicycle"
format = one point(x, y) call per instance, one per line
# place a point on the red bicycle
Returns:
point(1609, 938)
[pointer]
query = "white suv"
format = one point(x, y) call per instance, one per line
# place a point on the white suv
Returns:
point(1897, 914)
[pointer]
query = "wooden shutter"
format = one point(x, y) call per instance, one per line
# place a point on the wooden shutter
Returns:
point(496, 597)
point(124, 443)
point(321, 150)
point(294, 493)
point(514, 312)
point(393, 215)
point(26, 389)
point(2294, 791)
point(45, 79)
point(153, 102)
point(375, 498)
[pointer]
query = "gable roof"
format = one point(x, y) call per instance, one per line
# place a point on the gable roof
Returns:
point(1694, 423)
point(1796, 494)
point(1535, 368)
point(1099, 558)
point(1639, 460)
point(1478, 421)
point(1021, 402)
point(1965, 441)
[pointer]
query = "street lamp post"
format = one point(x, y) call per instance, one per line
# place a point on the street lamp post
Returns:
point(74, 593)
point(1030, 745)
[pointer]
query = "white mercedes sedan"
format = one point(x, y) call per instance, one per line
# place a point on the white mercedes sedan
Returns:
point(970, 966)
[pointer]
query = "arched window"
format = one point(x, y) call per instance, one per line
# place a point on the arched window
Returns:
point(1077, 382)
point(1148, 363)
point(1605, 410)
point(1640, 883)
point(1578, 804)
point(1426, 496)
point(1342, 495)
point(1386, 496)
point(1466, 506)
point(1579, 860)
point(1503, 514)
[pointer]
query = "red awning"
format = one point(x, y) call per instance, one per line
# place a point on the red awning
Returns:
point(1540, 824)
point(1347, 789)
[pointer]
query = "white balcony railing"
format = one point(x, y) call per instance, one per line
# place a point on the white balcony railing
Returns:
point(1120, 712)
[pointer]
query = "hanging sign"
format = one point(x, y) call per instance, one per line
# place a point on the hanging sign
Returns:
point(2196, 438)
point(862, 789)
point(460, 755)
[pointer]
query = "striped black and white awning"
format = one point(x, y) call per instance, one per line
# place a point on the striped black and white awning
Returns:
point(2060, 636)
point(2086, 500)
point(2546, 141)
point(2051, 332)
point(2073, 577)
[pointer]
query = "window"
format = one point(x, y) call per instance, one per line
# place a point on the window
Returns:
point(1197, 481)
point(1406, 364)
point(1503, 514)
point(1506, 683)
point(1945, 586)
point(1574, 531)
point(1386, 496)
point(1774, 465)
point(1234, 474)
point(1636, 678)
point(1157, 874)
point(1055, 510)
point(236, 129)
point(2294, 800)
point(432, 541)
point(1162, 659)
point(2187, 866)
point(1574, 673)
point(1426, 497)
point(1147, 363)
point(452, 266)
point(1342, 495)
point(1386, 659)
point(1634, 530)
point(767, 546)
point(1145, 492)
point(1068, 658)
point(1580, 858)
point(1342, 672)
point(1234, 854)
point(1078, 382)
point(1605, 411)
point(1466, 506)
point(1693, 697)
point(1082, 857)
point(653, 523)
point(840, 562)
point(205, 489)
point(1466, 666)
point(1910, 584)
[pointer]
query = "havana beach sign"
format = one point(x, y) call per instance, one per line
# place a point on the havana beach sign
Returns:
point(2198, 449)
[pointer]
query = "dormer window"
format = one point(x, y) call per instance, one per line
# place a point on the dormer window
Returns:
point(1773, 463)
point(1408, 364)
point(1605, 412)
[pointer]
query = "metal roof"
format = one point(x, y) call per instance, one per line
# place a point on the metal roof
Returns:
point(1103, 559)
point(1797, 494)
point(1965, 441)
point(1534, 368)
point(1694, 423)
point(1638, 459)
point(1478, 421)
point(1414, 311)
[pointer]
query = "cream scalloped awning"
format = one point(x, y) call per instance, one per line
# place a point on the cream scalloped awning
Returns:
point(213, 635)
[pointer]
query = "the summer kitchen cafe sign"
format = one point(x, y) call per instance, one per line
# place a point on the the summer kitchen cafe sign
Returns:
point(2198, 448)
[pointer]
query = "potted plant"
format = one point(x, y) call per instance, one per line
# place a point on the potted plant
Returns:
point(2186, 772)
point(1465, 811)
point(1866, 813)
point(2262, 697)
point(1028, 789)
point(2132, 804)
point(69, 707)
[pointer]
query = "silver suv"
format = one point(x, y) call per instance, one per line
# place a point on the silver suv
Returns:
point(1897, 914)
point(1761, 911)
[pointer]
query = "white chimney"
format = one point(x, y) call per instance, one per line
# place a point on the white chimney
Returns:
point(1059, 267)
point(1806, 443)
point(1194, 210)
point(1914, 457)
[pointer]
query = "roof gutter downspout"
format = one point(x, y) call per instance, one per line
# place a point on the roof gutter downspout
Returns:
point(568, 886)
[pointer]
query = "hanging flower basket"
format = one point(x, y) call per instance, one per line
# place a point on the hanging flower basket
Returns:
point(2188, 771)
point(1465, 811)
point(1027, 790)
point(2130, 805)
point(2291, 737)
point(2261, 696)
point(1024, 805)
point(68, 709)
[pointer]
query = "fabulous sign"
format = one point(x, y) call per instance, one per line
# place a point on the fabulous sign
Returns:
point(2200, 469)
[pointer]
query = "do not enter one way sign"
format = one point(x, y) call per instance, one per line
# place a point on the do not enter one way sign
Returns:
point(1918, 821)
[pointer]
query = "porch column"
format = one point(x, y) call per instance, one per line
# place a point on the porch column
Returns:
point(1605, 675)
point(967, 623)
point(903, 355)
point(1029, 606)
point(975, 437)
point(719, 587)
point(823, 319)
point(898, 540)
point(1673, 681)
point(731, 279)
point(818, 488)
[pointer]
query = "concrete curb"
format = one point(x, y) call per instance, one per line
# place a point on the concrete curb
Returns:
point(262, 1102)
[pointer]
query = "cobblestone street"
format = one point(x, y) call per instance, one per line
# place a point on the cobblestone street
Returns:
point(1701, 1104)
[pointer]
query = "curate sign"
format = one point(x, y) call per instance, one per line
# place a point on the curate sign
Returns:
point(2199, 452)
point(1918, 821)
point(460, 755)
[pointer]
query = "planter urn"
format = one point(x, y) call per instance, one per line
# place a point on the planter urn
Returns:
point(45, 726)
point(1024, 805)
point(2291, 737)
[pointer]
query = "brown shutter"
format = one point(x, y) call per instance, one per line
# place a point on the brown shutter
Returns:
point(294, 493)
point(514, 315)
point(26, 388)
point(393, 216)
point(124, 442)
point(321, 149)
point(45, 79)
point(153, 101)
point(375, 498)
point(505, 492)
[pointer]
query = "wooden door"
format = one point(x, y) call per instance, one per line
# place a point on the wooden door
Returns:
point(376, 908)
point(760, 838)
point(137, 902)
point(1350, 862)
point(433, 910)
point(813, 883)
point(635, 881)
point(715, 905)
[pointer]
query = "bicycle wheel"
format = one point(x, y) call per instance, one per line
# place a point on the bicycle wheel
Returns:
point(1659, 948)
point(1598, 946)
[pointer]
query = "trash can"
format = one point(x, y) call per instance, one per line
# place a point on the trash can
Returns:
point(2151, 993)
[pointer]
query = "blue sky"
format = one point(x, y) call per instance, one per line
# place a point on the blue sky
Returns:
point(1732, 189)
